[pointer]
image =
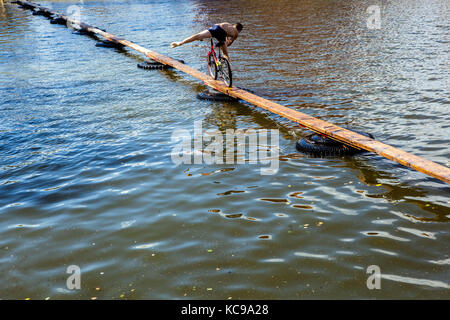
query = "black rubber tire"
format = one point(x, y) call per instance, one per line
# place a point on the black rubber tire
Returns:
point(26, 6)
point(109, 44)
point(83, 32)
point(226, 72)
point(150, 65)
point(153, 65)
point(212, 68)
point(214, 96)
point(58, 21)
point(47, 14)
point(38, 13)
point(318, 145)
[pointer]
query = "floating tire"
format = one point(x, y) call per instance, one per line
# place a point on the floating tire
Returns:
point(109, 44)
point(58, 21)
point(39, 13)
point(318, 145)
point(47, 14)
point(153, 65)
point(214, 96)
point(26, 6)
point(84, 32)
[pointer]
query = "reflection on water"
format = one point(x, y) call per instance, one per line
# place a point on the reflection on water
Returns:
point(86, 176)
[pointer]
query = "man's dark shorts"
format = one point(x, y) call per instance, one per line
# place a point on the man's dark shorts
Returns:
point(218, 33)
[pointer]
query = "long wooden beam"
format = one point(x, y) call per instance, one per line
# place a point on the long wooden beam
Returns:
point(335, 132)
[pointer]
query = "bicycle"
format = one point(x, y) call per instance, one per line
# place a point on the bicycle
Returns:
point(218, 65)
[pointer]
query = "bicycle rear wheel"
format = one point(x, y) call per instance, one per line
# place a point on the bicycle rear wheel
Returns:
point(212, 68)
point(225, 70)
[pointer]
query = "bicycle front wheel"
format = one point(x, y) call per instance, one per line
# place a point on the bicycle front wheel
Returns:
point(225, 70)
point(212, 68)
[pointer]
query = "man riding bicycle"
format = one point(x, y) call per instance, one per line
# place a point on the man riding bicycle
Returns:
point(224, 32)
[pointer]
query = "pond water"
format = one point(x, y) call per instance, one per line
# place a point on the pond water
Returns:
point(87, 178)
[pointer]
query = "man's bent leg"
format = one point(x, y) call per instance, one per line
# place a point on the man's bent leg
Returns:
point(196, 37)
point(224, 48)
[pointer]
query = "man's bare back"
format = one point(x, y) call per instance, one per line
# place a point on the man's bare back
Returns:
point(231, 30)
point(225, 32)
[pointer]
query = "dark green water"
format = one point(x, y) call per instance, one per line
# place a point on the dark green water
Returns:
point(86, 176)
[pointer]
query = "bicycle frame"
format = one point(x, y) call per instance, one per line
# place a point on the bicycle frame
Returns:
point(218, 64)
point(213, 52)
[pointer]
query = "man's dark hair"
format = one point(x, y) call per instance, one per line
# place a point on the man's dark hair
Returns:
point(239, 26)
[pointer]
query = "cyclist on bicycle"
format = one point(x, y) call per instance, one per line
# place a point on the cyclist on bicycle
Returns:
point(224, 32)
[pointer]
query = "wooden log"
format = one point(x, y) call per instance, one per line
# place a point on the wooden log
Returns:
point(335, 132)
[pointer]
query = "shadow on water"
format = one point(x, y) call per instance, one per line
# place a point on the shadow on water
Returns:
point(399, 191)
point(89, 179)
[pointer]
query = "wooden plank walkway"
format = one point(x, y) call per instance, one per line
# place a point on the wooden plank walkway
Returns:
point(335, 132)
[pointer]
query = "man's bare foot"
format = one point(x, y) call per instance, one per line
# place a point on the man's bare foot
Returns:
point(174, 44)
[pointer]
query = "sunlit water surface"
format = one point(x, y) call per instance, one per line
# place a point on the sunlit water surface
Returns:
point(86, 176)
